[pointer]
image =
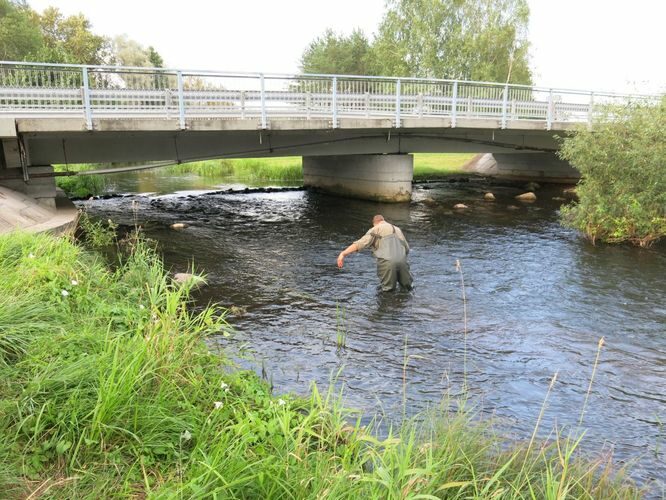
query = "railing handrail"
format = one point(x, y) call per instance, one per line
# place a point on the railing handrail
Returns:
point(296, 76)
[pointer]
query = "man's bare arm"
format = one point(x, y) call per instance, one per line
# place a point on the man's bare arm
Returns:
point(349, 250)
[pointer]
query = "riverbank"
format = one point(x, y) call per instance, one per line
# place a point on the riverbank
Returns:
point(108, 389)
point(287, 170)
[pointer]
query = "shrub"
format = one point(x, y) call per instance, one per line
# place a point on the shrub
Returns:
point(622, 159)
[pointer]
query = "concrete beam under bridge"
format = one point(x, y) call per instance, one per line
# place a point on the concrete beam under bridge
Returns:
point(386, 178)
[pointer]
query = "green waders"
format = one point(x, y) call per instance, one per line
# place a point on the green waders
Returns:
point(392, 266)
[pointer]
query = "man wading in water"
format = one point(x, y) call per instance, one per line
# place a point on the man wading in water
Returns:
point(390, 248)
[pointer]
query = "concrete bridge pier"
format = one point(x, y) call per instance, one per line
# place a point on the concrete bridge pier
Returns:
point(534, 166)
point(383, 177)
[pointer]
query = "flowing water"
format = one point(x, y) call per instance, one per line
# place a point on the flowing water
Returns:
point(538, 297)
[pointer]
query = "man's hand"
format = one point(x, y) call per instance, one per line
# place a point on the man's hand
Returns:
point(341, 260)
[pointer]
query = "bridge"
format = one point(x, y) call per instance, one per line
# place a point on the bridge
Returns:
point(354, 133)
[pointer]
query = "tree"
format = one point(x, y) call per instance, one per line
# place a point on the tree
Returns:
point(622, 193)
point(20, 35)
point(70, 39)
point(155, 59)
point(483, 40)
point(338, 54)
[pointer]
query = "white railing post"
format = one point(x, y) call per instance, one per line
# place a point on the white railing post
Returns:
point(454, 105)
point(181, 102)
point(397, 104)
point(242, 104)
point(334, 103)
point(549, 113)
point(419, 104)
point(505, 99)
point(264, 121)
point(87, 109)
point(308, 105)
point(590, 111)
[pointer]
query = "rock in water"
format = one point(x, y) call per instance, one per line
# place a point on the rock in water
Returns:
point(189, 278)
point(460, 206)
point(489, 197)
point(178, 225)
point(570, 192)
point(526, 197)
point(532, 186)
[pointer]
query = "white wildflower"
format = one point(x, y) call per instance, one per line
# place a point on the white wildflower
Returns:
point(224, 386)
point(31, 255)
point(218, 405)
point(186, 435)
point(74, 282)
point(281, 402)
point(141, 306)
point(64, 293)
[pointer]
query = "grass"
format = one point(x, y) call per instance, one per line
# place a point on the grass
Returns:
point(437, 165)
point(107, 389)
point(287, 169)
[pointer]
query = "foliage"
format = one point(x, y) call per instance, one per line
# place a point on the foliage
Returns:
point(339, 54)
point(622, 160)
point(26, 35)
point(128, 52)
point(20, 35)
point(80, 186)
point(69, 39)
point(483, 40)
point(107, 390)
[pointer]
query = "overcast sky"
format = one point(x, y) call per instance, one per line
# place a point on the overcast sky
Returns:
point(615, 45)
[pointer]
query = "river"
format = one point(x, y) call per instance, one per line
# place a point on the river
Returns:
point(538, 300)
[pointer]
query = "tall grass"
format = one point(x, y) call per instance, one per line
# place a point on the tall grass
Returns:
point(287, 169)
point(108, 390)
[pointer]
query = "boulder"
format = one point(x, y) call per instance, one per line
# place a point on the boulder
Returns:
point(188, 278)
point(532, 186)
point(460, 206)
point(178, 225)
point(429, 202)
point(570, 192)
point(529, 197)
point(489, 197)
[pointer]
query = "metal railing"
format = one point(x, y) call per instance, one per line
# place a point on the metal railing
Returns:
point(57, 90)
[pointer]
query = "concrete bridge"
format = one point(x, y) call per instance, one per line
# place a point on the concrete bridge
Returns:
point(354, 133)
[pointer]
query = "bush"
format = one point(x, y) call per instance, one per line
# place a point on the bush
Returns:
point(622, 159)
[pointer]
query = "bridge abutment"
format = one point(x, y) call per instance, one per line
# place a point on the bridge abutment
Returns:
point(12, 174)
point(386, 178)
point(541, 167)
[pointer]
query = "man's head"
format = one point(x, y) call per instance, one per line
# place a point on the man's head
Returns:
point(377, 219)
